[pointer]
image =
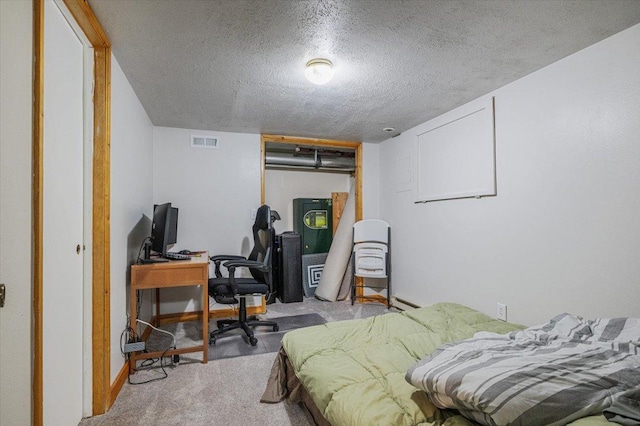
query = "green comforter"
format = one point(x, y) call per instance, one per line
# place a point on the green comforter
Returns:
point(354, 370)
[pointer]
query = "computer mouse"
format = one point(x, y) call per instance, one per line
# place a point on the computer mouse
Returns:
point(185, 252)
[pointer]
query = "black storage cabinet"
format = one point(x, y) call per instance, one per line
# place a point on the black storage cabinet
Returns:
point(287, 267)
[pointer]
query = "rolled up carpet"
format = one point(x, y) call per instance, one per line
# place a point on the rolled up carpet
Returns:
point(339, 253)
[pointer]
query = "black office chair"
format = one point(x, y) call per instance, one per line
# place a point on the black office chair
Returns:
point(228, 290)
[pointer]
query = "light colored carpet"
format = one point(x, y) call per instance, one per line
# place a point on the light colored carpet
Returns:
point(222, 392)
point(225, 391)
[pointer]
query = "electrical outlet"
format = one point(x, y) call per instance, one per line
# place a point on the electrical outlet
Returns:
point(501, 311)
point(253, 214)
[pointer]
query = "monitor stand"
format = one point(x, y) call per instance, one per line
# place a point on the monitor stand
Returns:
point(147, 255)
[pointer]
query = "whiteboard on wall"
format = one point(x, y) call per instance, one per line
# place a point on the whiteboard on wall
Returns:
point(456, 156)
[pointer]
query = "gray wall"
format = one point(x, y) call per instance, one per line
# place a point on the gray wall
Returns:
point(131, 200)
point(563, 233)
point(214, 190)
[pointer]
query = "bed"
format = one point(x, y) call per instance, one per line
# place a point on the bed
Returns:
point(358, 372)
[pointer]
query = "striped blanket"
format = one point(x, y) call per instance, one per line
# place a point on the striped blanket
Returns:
point(550, 374)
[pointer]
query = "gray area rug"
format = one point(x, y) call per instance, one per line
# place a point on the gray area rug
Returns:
point(224, 391)
point(310, 311)
point(235, 343)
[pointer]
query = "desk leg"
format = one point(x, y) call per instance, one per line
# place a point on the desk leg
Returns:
point(132, 323)
point(158, 306)
point(205, 323)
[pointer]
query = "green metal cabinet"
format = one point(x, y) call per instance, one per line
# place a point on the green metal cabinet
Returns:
point(312, 219)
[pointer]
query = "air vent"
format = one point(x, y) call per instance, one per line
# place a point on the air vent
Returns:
point(204, 142)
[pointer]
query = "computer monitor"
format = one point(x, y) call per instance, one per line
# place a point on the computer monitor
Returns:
point(164, 228)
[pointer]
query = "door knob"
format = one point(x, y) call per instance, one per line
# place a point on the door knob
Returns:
point(3, 295)
point(78, 249)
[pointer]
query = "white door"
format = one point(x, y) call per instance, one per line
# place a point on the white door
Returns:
point(16, 75)
point(62, 292)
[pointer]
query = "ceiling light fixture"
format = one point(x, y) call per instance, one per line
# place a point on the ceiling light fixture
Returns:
point(319, 71)
point(389, 129)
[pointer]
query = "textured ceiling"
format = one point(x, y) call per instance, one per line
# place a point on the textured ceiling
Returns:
point(235, 65)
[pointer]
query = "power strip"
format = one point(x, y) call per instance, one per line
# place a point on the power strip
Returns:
point(133, 347)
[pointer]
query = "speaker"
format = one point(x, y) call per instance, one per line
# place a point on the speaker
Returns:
point(288, 267)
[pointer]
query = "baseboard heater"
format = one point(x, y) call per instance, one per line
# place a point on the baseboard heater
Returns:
point(403, 304)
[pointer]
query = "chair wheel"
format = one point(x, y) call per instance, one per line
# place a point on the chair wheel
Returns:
point(253, 341)
point(276, 328)
point(212, 340)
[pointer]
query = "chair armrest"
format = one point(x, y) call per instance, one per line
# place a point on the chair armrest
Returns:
point(221, 257)
point(217, 259)
point(243, 263)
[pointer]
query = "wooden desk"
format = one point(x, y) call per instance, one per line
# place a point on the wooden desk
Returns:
point(175, 273)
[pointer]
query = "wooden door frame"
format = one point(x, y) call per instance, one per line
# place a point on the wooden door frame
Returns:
point(101, 168)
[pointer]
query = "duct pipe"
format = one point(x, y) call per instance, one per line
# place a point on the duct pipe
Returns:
point(284, 159)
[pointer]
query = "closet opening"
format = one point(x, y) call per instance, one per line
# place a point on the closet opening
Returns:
point(299, 174)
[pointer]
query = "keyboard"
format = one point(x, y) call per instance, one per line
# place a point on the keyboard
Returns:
point(177, 256)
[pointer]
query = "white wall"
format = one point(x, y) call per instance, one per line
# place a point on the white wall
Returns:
point(283, 186)
point(214, 190)
point(16, 97)
point(563, 233)
point(131, 200)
